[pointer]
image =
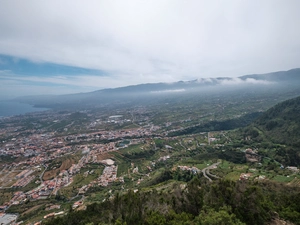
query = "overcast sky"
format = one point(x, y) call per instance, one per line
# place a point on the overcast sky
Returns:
point(69, 46)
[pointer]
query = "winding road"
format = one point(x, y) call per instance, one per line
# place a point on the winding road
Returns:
point(206, 172)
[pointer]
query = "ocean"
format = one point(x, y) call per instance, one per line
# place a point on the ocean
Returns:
point(10, 108)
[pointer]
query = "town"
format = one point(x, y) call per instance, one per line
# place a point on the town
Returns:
point(59, 157)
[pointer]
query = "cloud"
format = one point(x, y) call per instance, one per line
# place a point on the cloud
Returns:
point(254, 81)
point(168, 91)
point(153, 41)
point(205, 80)
point(92, 81)
point(239, 81)
point(63, 84)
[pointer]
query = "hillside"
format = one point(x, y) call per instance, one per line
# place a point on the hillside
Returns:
point(209, 153)
point(281, 123)
point(276, 133)
point(224, 202)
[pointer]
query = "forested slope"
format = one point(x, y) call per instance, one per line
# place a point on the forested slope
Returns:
point(278, 130)
point(221, 202)
point(281, 123)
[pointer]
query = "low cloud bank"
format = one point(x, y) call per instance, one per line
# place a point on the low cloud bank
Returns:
point(238, 81)
point(168, 91)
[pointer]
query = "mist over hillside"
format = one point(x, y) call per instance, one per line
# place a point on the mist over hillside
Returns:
point(278, 86)
point(149, 112)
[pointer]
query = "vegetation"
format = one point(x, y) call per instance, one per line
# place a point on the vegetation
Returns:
point(164, 199)
point(229, 124)
point(223, 202)
point(281, 123)
point(278, 130)
point(194, 132)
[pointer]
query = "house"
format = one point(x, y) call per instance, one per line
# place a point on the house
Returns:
point(245, 176)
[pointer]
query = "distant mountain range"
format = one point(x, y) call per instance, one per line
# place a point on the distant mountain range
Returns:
point(277, 83)
point(281, 76)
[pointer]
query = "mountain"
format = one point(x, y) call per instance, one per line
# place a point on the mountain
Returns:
point(281, 76)
point(281, 85)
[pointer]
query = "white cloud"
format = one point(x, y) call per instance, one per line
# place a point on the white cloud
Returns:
point(239, 81)
point(168, 91)
point(205, 80)
point(153, 41)
point(254, 81)
point(63, 84)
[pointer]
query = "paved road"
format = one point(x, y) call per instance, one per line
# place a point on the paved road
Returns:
point(206, 172)
point(42, 174)
point(211, 175)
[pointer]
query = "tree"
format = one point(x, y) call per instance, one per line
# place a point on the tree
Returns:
point(155, 218)
point(221, 217)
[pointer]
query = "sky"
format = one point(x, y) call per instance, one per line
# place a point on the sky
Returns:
point(71, 46)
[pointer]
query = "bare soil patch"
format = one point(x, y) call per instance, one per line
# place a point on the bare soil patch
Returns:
point(104, 156)
point(66, 164)
point(31, 209)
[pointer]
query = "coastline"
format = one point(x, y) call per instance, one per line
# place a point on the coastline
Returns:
point(10, 108)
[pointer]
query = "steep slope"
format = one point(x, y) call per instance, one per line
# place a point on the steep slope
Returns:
point(281, 123)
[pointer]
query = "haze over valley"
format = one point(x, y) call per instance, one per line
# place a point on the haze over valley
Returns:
point(149, 112)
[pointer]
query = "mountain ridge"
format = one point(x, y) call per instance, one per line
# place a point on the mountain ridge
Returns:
point(273, 76)
point(275, 82)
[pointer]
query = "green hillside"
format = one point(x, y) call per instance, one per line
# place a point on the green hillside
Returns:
point(281, 123)
point(277, 132)
point(224, 201)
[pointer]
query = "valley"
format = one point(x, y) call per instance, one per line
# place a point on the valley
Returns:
point(59, 163)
